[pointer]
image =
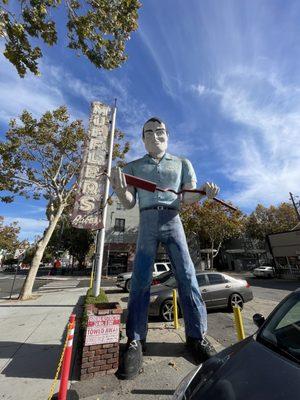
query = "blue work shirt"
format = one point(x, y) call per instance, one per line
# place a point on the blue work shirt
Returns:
point(170, 172)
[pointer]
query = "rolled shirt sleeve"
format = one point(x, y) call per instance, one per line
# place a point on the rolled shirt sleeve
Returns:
point(188, 173)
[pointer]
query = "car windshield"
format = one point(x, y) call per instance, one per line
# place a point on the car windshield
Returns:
point(282, 332)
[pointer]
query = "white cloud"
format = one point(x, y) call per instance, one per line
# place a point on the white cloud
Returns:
point(30, 227)
point(56, 87)
point(183, 148)
point(262, 156)
point(199, 89)
point(33, 93)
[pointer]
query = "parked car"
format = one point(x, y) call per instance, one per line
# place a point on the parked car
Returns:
point(264, 366)
point(218, 291)
point(264, 271)
point(124, 280)
point(160, 279)
point(10, 268)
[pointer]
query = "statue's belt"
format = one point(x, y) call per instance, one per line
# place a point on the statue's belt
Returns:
point(152, 187)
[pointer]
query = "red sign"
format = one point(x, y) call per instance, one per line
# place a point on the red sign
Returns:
point(102, 329)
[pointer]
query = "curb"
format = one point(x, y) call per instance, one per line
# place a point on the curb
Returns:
point(62, 278)
point(50, 278)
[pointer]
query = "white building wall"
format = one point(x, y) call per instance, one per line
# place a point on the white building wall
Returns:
point(131, 217)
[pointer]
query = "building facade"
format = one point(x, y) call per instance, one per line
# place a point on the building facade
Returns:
point(243, 254)
point(120, 238)
point(285, 249)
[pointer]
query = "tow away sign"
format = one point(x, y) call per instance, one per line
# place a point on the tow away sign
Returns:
point(102, 329)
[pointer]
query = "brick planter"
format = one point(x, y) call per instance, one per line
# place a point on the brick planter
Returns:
point(100, 354)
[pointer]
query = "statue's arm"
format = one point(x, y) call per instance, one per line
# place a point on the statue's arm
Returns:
point(189, 198)
point(189, 181)
point(126, 194)
point(209, 188)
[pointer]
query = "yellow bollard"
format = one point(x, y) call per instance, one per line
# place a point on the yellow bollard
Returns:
point(239, 323)
point(175, 309)
point(92, 277)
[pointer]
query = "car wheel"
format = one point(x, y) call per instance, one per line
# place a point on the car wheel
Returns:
point(128, 285)
point(235, 300)
point(166, 311)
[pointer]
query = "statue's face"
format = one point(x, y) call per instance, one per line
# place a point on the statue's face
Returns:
point(155, 138)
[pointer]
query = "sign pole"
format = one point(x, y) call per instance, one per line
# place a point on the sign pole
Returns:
point(101, 232)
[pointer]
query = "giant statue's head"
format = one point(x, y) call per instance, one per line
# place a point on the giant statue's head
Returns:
point(155, 136)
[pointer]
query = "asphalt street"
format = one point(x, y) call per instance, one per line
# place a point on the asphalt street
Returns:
point(7, 282)
point(267, 294)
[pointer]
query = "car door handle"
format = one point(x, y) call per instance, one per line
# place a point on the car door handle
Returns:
point(227, 286)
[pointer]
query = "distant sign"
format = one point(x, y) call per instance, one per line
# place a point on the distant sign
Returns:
point(87, 213)
point(102, 329)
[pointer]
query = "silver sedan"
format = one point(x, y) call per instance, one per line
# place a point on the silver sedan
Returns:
point(218, 291)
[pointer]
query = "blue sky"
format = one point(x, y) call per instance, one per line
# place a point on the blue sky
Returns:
point(224, 75)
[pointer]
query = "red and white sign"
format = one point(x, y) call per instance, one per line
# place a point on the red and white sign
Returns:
point(102, 329)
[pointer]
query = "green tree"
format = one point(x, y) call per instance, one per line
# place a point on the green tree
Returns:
point(76, 241)
point(273, 219)
point(40, 158)
point(8, 236)
point(98, 29)
point(212, 224)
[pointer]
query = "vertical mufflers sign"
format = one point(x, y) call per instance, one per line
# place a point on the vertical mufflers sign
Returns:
point(87, 208)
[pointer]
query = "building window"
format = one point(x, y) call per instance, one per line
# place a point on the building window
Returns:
point(119, 225)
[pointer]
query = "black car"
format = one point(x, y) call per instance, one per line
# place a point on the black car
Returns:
point(264, 366)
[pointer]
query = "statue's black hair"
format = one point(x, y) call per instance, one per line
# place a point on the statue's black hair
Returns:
point(154, 119)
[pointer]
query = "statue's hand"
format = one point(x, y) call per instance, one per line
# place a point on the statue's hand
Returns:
point(117, 179)
point(210, 189)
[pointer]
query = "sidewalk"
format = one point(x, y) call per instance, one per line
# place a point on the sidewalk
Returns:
point(166, 363)
point(31, 339)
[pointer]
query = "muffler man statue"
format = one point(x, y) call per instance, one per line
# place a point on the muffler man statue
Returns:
point(160, 223)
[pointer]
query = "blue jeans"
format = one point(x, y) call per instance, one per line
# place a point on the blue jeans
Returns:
point(164, 226)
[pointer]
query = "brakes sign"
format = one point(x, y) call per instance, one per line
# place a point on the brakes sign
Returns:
point(102, 329)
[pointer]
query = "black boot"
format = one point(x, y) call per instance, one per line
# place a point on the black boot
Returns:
point(201, 349)
point(132, 360)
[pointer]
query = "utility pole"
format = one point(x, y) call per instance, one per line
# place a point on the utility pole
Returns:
point(296, 205)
